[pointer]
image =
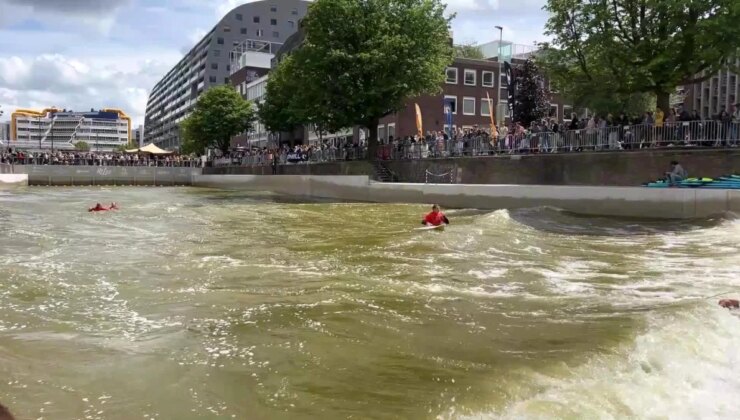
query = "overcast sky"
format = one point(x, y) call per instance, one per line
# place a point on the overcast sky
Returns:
point(82, 54)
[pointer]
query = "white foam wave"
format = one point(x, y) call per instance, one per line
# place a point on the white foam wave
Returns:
point(687, 365)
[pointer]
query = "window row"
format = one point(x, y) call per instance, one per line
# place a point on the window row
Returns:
point(470, 77)
point(468, 105)
point(273, 9)
point(257, 19)
point(213, 79)
point(260, 33)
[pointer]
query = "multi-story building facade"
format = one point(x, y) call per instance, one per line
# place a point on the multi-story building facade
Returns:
point(466, 91)
point(209, 63)
point(714, 95)
point(137, 136)
point(102, 130)
point(4, 132)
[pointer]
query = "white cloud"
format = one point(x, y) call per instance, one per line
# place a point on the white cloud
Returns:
point(82, 14)
point(78, 83)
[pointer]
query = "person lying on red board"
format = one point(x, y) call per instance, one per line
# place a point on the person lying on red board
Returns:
point(99, 207)
point(435, 218)
point(730, 303)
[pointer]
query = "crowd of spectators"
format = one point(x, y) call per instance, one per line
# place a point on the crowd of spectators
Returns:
point(325, 152)
point(20, 157)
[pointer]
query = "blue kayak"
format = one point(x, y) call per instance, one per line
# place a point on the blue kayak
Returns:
point(728, 182)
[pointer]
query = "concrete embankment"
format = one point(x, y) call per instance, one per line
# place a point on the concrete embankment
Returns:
point(617, 168)
point(601, 201)
point(106, 175)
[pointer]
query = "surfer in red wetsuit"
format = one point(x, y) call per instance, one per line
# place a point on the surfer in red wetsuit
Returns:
point(435, 218)
point(730, 303)
point(99, 207)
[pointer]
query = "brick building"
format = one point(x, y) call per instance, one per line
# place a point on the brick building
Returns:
point(466, 85)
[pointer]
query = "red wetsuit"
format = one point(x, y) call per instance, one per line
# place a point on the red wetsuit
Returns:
point(101, 208)
point(436, 219)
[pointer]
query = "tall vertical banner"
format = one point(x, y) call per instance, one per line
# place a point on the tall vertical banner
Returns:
point(490, 113)
point(419, 125)
point(511, 85)
point(448, 116)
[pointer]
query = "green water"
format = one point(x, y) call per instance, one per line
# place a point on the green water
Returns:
point(190, 304)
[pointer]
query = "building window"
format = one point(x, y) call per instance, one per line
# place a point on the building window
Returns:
point(470, 77)
point(220, 41)
point(487, 79)
point(554, 111)
point(273, 9)
point(226, 80)
point(485, 107)
point(275, 34)
point(228, 67)
point(451, 102)
point(294, 12)
point(260, 32)
point(273, 22)
point(291, 24)
point(214, 66)
point(381, 134)
point(239, 16)
point(451, 73)
point(227, 28)
point(243, 31)
point(567, 110)
point(503, 95)
point(212, 79)
point(468, 106)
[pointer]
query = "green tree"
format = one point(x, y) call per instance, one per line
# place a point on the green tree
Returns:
point(364, 59)
point(471, 51)
point(82, 146)
point(220, 114)
point(638, 46)
point(293, 97)
point(531, 101)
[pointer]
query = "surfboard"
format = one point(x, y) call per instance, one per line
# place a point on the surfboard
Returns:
point(440, 227)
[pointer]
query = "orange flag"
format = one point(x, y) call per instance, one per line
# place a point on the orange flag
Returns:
point(490, 113)
point(418, 121)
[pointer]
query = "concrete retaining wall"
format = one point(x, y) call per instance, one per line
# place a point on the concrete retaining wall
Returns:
point(623, 168)
point(106, 175)
point(602, 201)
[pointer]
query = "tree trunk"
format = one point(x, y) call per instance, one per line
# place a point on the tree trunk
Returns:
point(664, 101)
point(372, 140)
point(224, 145)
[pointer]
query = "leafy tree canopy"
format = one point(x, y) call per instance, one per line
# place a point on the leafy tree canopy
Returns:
point(360, 61)
point(531, 101)
point(82, 146)
point(220, 114)
point(638, 46)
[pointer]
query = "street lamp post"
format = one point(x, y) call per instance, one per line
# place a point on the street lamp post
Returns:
point(52, 131)
point(38, 127)
point(500, 68)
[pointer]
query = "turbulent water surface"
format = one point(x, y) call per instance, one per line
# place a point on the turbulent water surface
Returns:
point(191, 304)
